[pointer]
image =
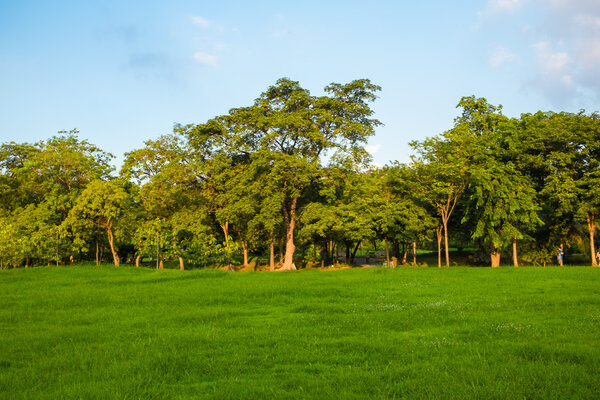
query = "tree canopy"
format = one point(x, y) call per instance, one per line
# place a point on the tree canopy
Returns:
point(288, 178)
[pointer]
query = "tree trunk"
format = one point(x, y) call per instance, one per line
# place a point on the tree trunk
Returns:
point(438, 232)
point(161, 263)
point(225, 228)
point(176, 252)
point(387, 252)
point(245, 250)
point(111, 240)
point(290, 247)
point(404, 253)
point(353, 255)
point(272, 254)
point(445, 221)
point(324, 253)
point(157, 249)
point(137, 260)
point(514, 248)
point(495, 257)
point(414, 253)
point(591, 222)
point(97, 248)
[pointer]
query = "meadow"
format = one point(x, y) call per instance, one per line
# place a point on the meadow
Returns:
point(103, 332)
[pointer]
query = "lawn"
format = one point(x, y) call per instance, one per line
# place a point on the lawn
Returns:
point(104, 332)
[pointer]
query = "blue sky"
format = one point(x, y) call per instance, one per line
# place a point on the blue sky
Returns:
point(123, 72)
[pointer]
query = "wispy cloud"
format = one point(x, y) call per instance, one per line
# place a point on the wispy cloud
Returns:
point(500, 55)
point(203, 58)
point(554, 73)
point(202, 22)
point(564, 42)
point(504, 6)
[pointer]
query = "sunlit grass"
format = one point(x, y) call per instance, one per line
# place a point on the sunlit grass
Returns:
point(105, 332)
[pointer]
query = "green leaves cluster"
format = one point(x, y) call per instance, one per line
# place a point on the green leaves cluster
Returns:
point(289, 174)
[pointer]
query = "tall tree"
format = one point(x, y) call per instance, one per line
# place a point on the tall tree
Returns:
point(100, 205)
point(292, 129)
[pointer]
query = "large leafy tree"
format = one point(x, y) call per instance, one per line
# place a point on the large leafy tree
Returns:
point(292, 130)
point(163, 171)
point(504, 207)
point(99, 205)
point(439, 179)
point(44, 179)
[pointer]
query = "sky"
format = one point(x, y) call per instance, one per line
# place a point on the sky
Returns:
point(123, 72)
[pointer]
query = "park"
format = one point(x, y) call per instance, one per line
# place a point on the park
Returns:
point(300, 200)
point(97, 332)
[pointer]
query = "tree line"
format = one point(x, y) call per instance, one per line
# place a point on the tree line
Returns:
point(288, 177)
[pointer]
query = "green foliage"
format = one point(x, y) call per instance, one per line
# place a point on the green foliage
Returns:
point(291, 170)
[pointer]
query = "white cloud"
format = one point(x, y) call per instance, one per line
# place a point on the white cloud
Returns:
point(203, 23)
point(563, 39)
point(500, 55)
point(503, 6)
point(554, 73)
point(372, 148)
point(206, 59)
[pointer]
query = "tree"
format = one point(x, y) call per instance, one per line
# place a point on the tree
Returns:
point(503, 207)
point(100, 205)
point(291, 130)
point(588, 184)
point(440, 183)
point(166, 178)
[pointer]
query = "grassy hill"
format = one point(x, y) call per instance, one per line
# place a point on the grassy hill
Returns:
point(104, 332)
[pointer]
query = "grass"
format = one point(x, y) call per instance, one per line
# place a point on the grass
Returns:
point(103, 332)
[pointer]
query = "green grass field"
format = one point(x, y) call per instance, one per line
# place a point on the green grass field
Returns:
point(103, 332)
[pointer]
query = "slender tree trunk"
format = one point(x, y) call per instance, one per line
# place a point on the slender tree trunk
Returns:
point(414, 243)
point(225, 228)
point(111, 240)
point(347, 260)
point(404, 253)
point(245, 250)
point(137, 260)
point(157, 249)
point(514, 248)
point(591, 222)
point(445, 221)
point(324, 252)
point(353, 255)
point(438, 232)
point(290, 247)
point(97, 247)
point(177, 253)
point(272, 254)
point(387, 251)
